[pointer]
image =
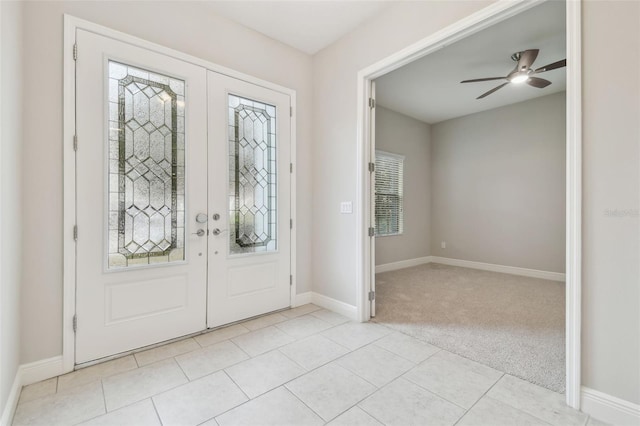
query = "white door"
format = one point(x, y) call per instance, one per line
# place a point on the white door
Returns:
point(249, 200)
point(141, 182)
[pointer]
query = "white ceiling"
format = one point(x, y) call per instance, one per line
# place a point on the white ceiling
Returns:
point(429, 89)
point(306, 25)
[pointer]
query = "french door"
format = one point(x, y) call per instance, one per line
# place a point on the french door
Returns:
point(182, 198)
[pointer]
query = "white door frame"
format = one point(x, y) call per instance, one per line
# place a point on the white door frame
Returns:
point(71, 25)
point(486, 17)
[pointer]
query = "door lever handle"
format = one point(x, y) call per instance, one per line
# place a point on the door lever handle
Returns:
point(217, 231)
point(199, 233)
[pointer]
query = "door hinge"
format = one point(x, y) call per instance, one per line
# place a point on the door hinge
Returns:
point(372, 296)
point(75, 51)
point(290, 223)
point(75, 142)
point(290, 167)
point(372, 167)
point(75, 232)
point(372, 103)
point(75, 323)
point(290, 280)
point(372, 231)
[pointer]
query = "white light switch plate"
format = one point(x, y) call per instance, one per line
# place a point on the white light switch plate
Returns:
point(346, 207)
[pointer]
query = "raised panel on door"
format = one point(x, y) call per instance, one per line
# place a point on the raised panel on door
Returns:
point(249, 200)
point(141, 181)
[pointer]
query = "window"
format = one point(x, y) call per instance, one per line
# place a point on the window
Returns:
point(389, 193)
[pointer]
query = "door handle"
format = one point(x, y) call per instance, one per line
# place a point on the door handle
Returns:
point(201, 218)
point(217, 231)
point(199, 233)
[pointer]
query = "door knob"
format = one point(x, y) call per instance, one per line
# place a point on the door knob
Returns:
point(216, 216)
point(201, 218)
point(199, 232)
point(216, 231)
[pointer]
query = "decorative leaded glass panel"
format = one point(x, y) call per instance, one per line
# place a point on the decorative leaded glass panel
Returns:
point(146, 167)
point(252, 176)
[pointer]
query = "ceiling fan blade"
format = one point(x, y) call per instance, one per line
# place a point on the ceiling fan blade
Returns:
point(492, 90)
point(553, 66)
point(527, 58)
point(538, 82)
point(483, 79)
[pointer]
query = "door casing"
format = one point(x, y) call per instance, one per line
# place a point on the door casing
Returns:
point(71, 25)
point(499, 11)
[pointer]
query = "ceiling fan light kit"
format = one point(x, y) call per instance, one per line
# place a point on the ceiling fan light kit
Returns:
point(522, 73)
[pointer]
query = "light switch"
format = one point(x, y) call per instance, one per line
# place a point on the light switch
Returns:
point(346, 207)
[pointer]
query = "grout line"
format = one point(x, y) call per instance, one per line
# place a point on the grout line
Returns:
point(155, 409)
point(104, 396)
point(478, 400)
point(238, 386)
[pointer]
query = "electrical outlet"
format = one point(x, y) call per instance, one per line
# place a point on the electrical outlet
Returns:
point(443, 244)
point(346, 207)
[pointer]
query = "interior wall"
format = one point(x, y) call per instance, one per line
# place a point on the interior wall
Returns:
point(498, 185)
point(400, 134)
point(611, 199)
point(611, 302)
point(189, 27)
point(11, 194)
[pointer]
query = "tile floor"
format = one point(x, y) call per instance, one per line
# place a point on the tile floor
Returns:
point(304, 366)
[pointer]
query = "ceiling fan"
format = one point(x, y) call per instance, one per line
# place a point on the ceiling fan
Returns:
point(522, 73)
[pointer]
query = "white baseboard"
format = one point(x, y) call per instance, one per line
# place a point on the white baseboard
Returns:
point(26, 375)
point(609, 409)
point(402, 264)
point(12, 400)
point(534, 273)
point(302, 299)
point(336, 306)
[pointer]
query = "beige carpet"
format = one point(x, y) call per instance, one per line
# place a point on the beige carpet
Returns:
point(511, 323)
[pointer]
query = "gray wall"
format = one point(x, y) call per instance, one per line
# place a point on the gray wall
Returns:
point(186, 26)
point(610, 31)
point(10, 195)
point(611, 200)
point(407, 136)
point(498, 185)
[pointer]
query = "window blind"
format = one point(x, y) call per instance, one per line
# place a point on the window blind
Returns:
point(389, 193)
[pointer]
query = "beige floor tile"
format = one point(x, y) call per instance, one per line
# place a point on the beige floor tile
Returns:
point(264, 372)
point(404, 403)
point(221, 335)
point(210, 359)
point(407, 347)
point(38, 390)
point(264, 321)
point(211, 422)
point(355, 417)
point(537, 401)
point(166, 351)
point(353, 335)
point(68, 407)
point(330, 317)
point(454, 378)
point(132, 386)
point(330, 390)
point(375, 365)
point(263, 340)
point(96, 372)
point(198, 401)
point(139, 414)
point(300, 310)
point(596, 422)
point(491, 412)
point(313, 351)
point(303, 326)
point(275, 408)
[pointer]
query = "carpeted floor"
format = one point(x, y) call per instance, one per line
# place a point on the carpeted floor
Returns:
point(511, 323)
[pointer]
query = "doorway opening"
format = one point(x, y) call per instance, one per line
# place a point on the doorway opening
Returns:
point(570, 250)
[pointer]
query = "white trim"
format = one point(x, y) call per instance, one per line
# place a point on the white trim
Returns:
point(25, 375)
point(608, 408)
point(334, 305)
point(394, 266)
point(513, 270)
point(302, 299)
point(12, 401)
point(71, 25)
point(496, 12)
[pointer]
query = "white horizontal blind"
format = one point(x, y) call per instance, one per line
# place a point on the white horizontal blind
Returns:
point(389, 193)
